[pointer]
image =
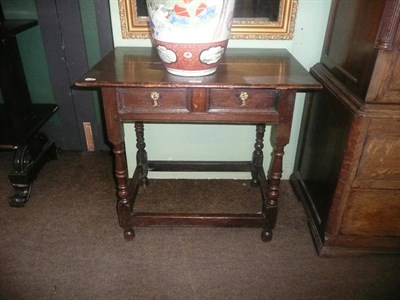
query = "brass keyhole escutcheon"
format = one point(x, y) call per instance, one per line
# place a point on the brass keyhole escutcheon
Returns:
point(155, 96)
point(244, 96)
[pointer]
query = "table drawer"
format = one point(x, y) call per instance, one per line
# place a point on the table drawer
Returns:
point(242, 100)
point(152, 100)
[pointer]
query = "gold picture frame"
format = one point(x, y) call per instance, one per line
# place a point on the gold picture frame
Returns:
point(134, 26)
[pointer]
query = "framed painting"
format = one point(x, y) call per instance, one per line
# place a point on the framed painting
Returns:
point(254, 19)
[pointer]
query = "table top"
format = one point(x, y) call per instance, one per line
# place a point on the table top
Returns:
point(248, 68)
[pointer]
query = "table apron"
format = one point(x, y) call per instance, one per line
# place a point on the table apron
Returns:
point(272, 118)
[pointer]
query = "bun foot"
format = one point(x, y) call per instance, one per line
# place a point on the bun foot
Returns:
point(266, 235)
point(129, 234)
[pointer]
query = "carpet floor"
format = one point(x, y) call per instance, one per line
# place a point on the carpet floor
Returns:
point(66, 244)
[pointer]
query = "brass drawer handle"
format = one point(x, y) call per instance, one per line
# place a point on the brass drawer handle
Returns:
point(244, 96)
point(155, 96)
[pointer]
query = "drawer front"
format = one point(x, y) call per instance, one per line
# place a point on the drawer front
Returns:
point(152, 100)
point(242, 100)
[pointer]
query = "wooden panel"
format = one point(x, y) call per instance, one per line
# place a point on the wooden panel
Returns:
point(372, 183)
point(349, 50)
point(381, 157)
point(384, 125)
point(154, 100)
point(373, 213)
point(242, 100)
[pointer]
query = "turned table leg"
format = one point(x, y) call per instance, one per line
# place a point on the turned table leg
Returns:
point(281, 135)
point(271, 205)
point(141, 154)
point(121, 176)
point(258, 156)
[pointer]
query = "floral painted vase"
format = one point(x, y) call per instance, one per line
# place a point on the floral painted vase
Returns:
point(190, 35)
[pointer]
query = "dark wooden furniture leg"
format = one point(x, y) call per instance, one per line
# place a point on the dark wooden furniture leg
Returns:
point(270, 189)
point(28, 161)
point(271, 201)
point(269, 196)
point(115, 137)
point(20, 132)
point(280, 136)
point(141, 154)
point(123, 204)
point(258, 156)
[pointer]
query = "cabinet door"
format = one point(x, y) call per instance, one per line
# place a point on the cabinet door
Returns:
point(349, 50)
point(326, 126)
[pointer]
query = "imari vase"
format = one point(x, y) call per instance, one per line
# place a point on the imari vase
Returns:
point(191, 35)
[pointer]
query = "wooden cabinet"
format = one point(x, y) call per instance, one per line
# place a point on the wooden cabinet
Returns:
point(347, 170)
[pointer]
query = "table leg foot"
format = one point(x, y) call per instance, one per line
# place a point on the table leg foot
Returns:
point(129, 234)
point(28, 160)
point(21, 195)
point(266, 235)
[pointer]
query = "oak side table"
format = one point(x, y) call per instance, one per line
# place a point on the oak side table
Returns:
point(251, 86)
